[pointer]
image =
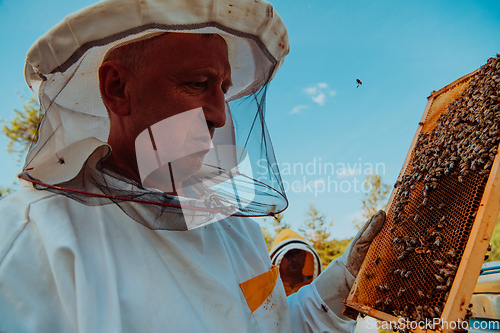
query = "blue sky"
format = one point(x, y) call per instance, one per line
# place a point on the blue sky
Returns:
point(400, 50)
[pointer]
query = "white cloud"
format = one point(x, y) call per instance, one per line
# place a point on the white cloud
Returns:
point(320, 99)
point(298, 109)
point(348, 171)
point(319, 92)
point(311, 90)
point(317, 182)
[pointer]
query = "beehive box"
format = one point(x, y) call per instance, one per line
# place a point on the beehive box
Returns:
point(421, 270)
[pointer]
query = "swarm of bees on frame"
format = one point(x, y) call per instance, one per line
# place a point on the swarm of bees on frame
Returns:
point(436, 203)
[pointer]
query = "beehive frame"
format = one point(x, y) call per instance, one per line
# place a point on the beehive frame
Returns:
point(456, 305)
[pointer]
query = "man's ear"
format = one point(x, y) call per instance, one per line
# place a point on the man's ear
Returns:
point(114, 90)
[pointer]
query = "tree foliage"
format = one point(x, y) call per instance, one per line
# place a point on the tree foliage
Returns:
point(316, 233)
point(23, 128)
point(277, 226)
point(373, 199)
point(4, 191)
point(494, 254)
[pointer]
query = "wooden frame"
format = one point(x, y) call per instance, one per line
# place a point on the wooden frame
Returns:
point(472, 259)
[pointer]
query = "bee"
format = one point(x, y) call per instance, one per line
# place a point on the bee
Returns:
point(437, 242)
point(439, 262)
point(452, 253)
point(486, 257)
point(421, 294)
point(431, 312)
point(60, 160)
point(443, 218)
point(416, 218)
point(391, 230)
point(489, 248)
point(451, 266)
point(449, 283)
point(438, 310)
point(388, 301)
point(403, 255)
point(391, 270)
point(376, 261)
point(397, 271)
point(401, 292)
point(358, 81)
point(439, 278)
point(420, 250)
point(407, 275)
point(441, 288)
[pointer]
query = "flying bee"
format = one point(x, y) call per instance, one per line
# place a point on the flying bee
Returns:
point(489, 248)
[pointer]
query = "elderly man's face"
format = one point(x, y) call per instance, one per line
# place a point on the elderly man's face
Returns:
point(183, 72)
point(180, 72)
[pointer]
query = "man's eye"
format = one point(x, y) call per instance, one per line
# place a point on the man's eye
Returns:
point(196, 85)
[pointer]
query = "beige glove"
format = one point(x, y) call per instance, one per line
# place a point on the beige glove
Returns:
point(335, 282)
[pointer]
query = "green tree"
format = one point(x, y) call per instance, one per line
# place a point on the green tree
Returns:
point(4, 191)
point(317, 234)
point(277, 226)
point(373, 199)
point(22, 130)
point(494, 254)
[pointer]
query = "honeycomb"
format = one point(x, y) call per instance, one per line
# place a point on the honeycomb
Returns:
point(410, 270)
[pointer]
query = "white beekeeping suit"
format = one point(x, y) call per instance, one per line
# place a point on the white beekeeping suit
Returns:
point(86, 248)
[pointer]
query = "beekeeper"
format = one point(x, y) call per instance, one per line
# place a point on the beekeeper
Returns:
point(135, 202)
point(298, 262)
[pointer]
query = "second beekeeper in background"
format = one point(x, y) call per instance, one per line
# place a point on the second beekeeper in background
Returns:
point(299, 263)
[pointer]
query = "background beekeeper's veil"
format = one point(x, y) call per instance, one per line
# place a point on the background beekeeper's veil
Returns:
point(239, 175)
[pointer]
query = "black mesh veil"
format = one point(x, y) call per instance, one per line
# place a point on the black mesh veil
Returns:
point(239, 175)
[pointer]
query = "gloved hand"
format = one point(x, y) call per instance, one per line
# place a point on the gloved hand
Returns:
point(335, 282)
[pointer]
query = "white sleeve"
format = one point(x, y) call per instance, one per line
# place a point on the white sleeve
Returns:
point(310, 313)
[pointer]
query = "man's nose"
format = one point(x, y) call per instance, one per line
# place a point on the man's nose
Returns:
point(215, 108)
